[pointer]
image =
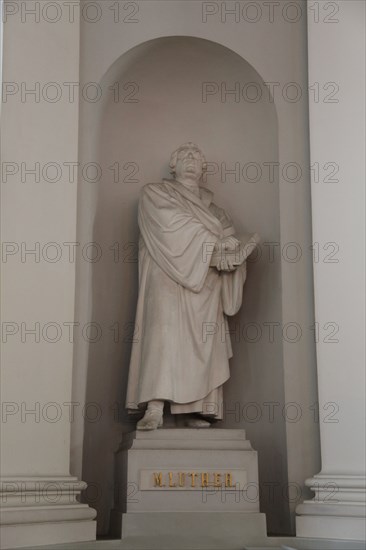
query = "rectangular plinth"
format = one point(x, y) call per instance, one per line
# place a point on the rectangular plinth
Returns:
point(337, 527)
point(188, 470)
point(186, 438)
point(191, 471)
point(196, 530)
point(47, 533)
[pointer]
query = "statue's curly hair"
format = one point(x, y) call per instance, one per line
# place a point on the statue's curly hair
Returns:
point(174, 156)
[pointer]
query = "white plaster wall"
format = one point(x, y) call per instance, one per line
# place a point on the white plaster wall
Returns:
point(277, 51)
point(37, 371)
point(338, 132)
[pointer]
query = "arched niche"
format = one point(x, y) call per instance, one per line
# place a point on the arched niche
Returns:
point(160, 104)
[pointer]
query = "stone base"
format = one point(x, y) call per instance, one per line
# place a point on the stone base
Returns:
point(195, 529)
point(168, 543)
point(45, 534)
point(337, 511)
point(44, 511)
point(194, 484)
point(341, 527)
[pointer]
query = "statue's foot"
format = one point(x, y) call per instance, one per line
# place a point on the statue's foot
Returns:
point(197, 423)
point(152, 420)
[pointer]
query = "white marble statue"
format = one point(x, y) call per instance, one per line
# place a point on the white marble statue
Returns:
point(183, 350)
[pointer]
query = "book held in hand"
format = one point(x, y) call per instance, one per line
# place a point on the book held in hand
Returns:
point(247, 244)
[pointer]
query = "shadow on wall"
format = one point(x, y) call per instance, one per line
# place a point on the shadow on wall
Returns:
point(166, 92)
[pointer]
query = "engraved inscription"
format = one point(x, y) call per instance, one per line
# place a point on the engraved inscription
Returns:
point(174, 479)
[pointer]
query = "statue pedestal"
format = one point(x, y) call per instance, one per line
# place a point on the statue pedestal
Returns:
point(188, 484)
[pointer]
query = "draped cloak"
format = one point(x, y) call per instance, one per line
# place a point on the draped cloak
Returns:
point(182, 348)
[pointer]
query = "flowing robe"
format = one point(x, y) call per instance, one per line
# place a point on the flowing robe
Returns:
point(182, 350)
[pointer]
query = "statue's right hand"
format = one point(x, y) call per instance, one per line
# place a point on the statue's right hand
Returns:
point(225, 265)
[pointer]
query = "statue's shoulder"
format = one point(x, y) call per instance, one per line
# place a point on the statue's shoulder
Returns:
point(158, 187)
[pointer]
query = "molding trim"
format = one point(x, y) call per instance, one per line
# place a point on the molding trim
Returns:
point(42, 510)
point(338, 509)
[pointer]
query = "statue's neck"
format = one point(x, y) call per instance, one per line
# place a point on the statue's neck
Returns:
point(191, 185)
